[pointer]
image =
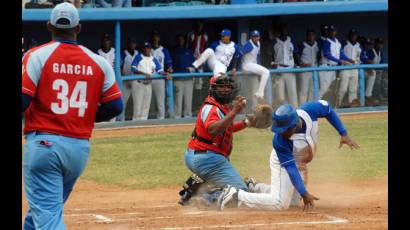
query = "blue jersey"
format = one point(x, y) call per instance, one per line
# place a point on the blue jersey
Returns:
point(183, 58)
point(309, 114)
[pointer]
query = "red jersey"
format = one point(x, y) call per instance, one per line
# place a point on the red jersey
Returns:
point(211, 112)
point(67, 82)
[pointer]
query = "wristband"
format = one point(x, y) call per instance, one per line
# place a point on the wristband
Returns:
point(246, 122)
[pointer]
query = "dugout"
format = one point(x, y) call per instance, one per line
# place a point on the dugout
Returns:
point(367, 16)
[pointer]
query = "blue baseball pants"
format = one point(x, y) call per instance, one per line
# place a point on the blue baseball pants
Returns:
point(51, 166)
point(214, 168)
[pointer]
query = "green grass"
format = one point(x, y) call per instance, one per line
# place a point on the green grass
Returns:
point(156, 160)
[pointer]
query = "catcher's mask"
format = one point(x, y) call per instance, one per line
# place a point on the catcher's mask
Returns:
point(222, 88)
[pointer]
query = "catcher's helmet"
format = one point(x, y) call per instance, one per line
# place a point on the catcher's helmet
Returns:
point(283, 118)
point(222, 88)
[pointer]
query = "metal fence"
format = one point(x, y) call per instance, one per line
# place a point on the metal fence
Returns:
point(314, 70)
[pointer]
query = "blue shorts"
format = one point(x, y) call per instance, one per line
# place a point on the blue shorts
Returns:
point(215, 168)
point(51, 166)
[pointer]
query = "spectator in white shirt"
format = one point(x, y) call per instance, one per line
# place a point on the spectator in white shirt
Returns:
point(144, 63)
point(106, 50)
point(285, 56)
point(129, 88)
point(309, 57)
point(349, 78)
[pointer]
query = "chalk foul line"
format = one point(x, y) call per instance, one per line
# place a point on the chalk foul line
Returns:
point(331, 220)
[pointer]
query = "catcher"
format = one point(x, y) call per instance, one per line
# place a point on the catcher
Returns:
point(293, 147)
point(210, 146)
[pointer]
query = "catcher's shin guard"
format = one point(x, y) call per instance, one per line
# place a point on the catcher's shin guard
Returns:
point(189, 189)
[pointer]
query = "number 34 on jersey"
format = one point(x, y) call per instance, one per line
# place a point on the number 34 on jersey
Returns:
point(64, 102)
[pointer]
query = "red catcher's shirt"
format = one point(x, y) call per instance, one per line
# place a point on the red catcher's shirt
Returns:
point(211, 112)
point(67, 82)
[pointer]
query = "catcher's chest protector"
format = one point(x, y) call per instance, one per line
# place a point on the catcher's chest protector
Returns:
point(201, 140)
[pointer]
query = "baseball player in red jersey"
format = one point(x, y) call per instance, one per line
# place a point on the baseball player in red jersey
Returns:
point(65, 89)
point(208, 151)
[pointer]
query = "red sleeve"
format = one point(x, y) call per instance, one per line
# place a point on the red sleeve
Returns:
point(238, 125)
point(111, 94)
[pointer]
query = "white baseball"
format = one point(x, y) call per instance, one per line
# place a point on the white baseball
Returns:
point(244, 101)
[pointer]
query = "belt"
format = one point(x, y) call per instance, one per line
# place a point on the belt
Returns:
point(45, 133)
point(200, 151)
point(281, 65)
point(205, 151)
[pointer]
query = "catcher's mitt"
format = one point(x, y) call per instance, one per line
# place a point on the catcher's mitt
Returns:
point(261, 117)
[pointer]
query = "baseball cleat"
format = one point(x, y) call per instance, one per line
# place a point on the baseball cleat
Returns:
point(228, 195)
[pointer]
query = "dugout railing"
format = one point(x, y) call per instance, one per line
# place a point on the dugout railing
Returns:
point(315, 70)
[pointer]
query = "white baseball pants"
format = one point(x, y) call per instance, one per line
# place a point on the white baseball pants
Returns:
point(130, 89)
point(325, 80)
point(287, 80)
point(252, 83)
point(276, 196)
point(158, 88)
point(183, 96)
point(370, 79)
point(348, 79)
point(209, 57)
point(142, 100)
point(268, 91)
point(262, 72)
point(306, 87)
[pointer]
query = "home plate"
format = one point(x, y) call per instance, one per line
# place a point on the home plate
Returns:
point(102, 218)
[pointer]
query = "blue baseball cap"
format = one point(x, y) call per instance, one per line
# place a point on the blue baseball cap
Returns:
point(283, 118)
point(332, 28)
point(146, 45)
point(226, 32)
point(255, 33)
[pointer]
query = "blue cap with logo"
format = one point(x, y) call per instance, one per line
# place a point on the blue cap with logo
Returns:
point(283, 118)
point(332, 28)
point(255, 33)
point(226, 32)
point(146, 45)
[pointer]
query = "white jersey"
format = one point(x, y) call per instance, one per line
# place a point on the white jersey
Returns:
point(301, 140)
point(377, 56)
point(158, 53)
point(251, 56)
point(126, 68)
point(145, 64)
point(309, 53)
point(109, 56)
point(352, 51)
point(284, 52)
point(335, 47)
point(225, 52)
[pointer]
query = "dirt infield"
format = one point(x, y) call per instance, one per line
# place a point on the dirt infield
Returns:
point(342, 205)
point(353, 205)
